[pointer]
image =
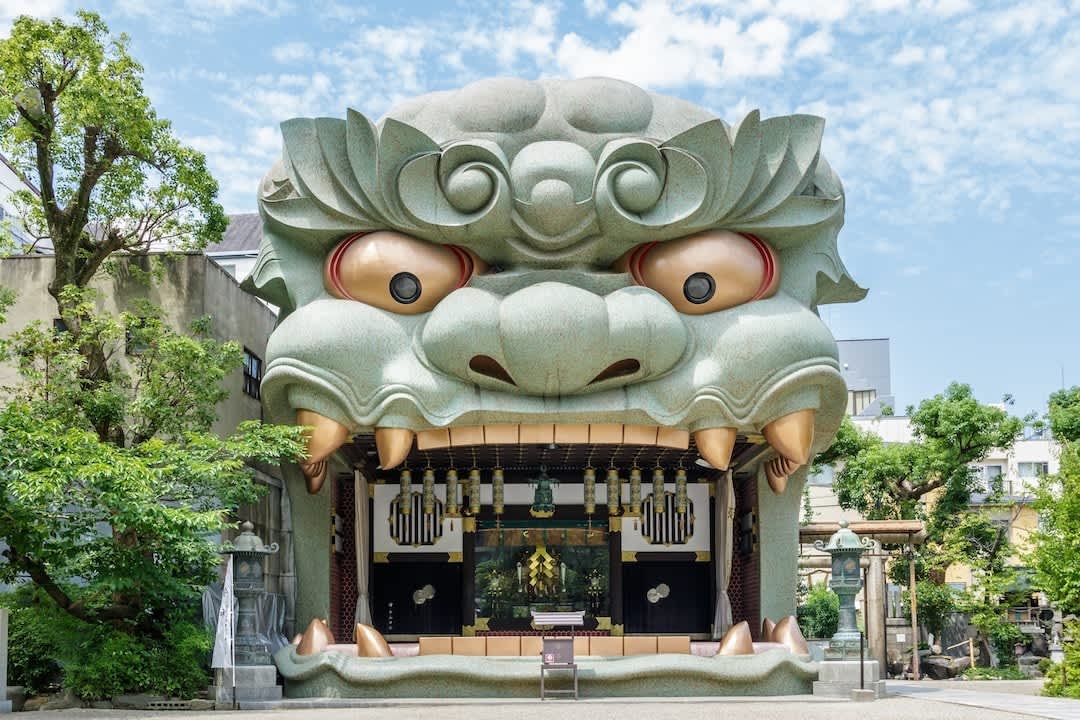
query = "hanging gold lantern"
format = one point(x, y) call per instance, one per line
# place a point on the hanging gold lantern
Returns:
point(452, 507)
point(405, 493)
point(474, 492)
point(614, 491)
point(429, 491)
point(497, 504)
point(590, 491)
point(635, 492)
point(680, 491)
point(658, 490)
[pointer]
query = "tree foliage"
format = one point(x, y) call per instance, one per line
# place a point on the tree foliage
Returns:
point(109, 490)
point(112, 175)
point(950, 431)
point(1055, 554)
point(1064, 414)
point(819, 613)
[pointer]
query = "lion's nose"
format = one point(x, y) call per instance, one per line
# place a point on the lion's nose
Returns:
point(554, 339)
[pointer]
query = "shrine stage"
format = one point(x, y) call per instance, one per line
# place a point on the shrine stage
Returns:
point(338, 675)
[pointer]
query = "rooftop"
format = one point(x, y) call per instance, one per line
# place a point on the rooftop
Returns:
point(243, 235)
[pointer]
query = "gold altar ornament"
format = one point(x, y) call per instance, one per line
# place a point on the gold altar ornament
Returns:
point(453, 509)
point(474, 491)
point(428, 493)
point(497, 491)
point(658, 490)
point(405, 492)
point(614, 491)
point(590, 491)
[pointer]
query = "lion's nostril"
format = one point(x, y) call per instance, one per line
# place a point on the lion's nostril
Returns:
point(624, 367)
point(489, 366)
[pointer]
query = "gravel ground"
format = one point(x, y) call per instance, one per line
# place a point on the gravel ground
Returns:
point(802, 708)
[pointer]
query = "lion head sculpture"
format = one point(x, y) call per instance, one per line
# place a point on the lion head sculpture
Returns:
point(485, 264)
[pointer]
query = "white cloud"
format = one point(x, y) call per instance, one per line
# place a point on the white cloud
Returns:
point(908, 55)
point(912, 270)
point(198, 15)
point(11, 9)
point(885, 247)
point(291, 52)
point(595, 7)
point(813, 45)
point(665, 46)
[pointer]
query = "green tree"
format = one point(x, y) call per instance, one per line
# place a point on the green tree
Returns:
point(112, 175)
point(950, 431)
point(118, 533)
point(1064, 414)
point(1055, 554)
point(112, 484)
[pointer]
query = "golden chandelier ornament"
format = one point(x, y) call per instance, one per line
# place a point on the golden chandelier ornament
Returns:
point(542, 571)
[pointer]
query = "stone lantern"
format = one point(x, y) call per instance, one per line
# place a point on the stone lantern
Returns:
point(846, 548)
point(248, 551)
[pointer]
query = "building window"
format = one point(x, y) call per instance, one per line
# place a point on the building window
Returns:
point(859, 400)
point(252, 373)
point(1033, 469)
point(991, 476)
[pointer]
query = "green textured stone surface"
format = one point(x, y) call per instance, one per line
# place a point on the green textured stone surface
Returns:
point(775, 672)
point(552, 181)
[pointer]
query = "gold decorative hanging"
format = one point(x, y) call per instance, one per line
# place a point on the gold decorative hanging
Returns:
point(590, 491)
point(474, 492)
point(542, 571)
point(658, 490)
point(497, 504)
point(680, 491)
point(453, 509)
point(405, 493)
point(635, 492)
point(614, 491)
point(428, 494)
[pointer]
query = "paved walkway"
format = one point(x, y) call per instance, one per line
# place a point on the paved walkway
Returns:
point(1014, 696)
point(778, 708)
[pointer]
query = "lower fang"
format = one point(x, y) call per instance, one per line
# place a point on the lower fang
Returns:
point(315, 474)
point(777, 471)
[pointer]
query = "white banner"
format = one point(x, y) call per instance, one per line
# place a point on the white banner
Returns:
point(224, 641)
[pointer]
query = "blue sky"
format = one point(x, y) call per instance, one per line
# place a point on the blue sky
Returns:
point(954, 125)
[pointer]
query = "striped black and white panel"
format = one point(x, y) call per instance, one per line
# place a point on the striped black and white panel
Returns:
point(668, 527)
point(416, 528)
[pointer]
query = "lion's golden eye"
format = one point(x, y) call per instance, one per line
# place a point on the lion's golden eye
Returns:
point(706, 272)
point(396, 272)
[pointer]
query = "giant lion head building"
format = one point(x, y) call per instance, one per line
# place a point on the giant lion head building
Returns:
point(558, 346)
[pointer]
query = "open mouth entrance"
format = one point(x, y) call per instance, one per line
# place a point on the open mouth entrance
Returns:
point(471, 539)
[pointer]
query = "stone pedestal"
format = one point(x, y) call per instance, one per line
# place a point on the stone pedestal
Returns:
point(837, 678)
point(253, 682)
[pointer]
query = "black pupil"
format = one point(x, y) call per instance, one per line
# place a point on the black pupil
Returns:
point(405, 288)
point(699, 288)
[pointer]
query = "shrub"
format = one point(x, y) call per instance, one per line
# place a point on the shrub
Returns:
point(1001, 673)
point(1063, 679)
point(819, 615)
point(1003, 637)
point(50, 648)
point(30, 645)
point(935, 604)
